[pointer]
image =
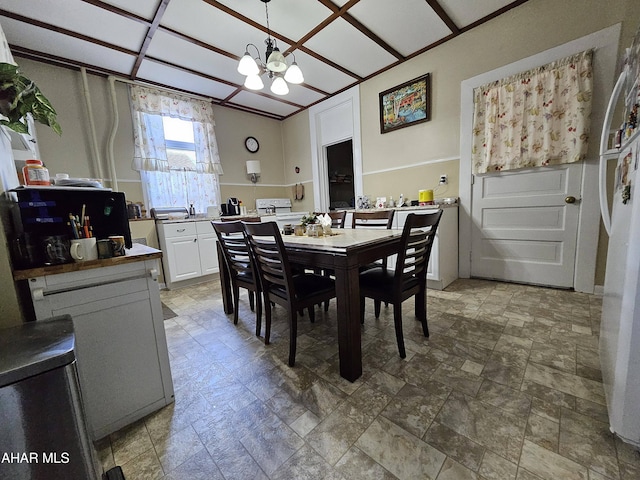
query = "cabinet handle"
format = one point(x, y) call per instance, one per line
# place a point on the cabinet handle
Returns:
point(153, 273)
point(180, 229)
point(37, 294)
point(195, 239)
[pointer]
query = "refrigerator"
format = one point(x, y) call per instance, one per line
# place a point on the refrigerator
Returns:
point(620, 324)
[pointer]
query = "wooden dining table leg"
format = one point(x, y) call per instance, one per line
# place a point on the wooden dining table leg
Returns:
point(348, 310)
point(225, 283)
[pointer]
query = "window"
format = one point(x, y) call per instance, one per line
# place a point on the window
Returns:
point(175, 150)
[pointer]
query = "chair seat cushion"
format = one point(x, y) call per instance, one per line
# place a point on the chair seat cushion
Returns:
point(309, 284)
point(245, 276)
point(381, 280)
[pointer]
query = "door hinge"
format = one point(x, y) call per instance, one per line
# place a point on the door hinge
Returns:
point(473, 179)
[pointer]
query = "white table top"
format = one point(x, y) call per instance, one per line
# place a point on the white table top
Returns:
point(342, 240)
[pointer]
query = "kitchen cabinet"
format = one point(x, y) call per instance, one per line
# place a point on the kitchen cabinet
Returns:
point(121, 348)
point(443, 263)
point(190, 250)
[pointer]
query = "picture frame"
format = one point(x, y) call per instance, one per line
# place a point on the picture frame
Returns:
point(406, 104)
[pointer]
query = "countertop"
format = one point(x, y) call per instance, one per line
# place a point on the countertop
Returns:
point(201, 217)
point(136, 254)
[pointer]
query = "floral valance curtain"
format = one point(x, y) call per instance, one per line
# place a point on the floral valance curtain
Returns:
point(536, 118)
point(148, 106)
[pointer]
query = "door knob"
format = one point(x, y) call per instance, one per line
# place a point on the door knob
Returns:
point(570, 199)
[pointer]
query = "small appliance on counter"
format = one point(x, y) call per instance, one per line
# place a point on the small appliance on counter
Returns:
point(45, 220)
point(169, 213)
point(233, 207)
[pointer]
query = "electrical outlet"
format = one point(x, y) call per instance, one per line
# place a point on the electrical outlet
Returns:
point(443, 180)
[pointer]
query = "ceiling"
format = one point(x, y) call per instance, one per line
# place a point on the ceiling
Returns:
point(194, 45)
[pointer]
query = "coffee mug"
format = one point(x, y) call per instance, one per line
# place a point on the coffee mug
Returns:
point(55, 249)
point(83, 249)
point(117, 245)
point(104, 248)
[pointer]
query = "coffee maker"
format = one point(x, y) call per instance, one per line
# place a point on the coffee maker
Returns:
point(233, 206)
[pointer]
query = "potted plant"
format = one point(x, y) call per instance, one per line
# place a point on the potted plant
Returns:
point(19, 96)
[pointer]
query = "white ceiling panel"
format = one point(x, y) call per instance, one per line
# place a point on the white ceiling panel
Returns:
point(142, 8)
point(298, 94)
point(415, 24)
point(52, 43)
point(464, 12)
point(159, 73)
point(82, 18)
point(211, 25)
point(260, 102)
point(210, 36)
point(321, 75)
point(346, 46)
point(290, 18)
point(167, 47)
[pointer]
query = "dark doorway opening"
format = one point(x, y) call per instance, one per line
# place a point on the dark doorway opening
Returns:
point(340, 171)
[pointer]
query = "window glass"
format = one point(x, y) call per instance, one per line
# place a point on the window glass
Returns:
point(181, 149)
point(177, 129)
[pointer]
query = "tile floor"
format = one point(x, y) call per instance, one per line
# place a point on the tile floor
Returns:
point(507, 387)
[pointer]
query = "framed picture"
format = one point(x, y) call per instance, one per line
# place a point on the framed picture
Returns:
point(406, 104)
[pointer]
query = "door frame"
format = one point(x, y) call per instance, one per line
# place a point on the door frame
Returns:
point(345, 126)
point(605, 42)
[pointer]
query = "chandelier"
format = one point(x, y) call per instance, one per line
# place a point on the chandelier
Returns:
point(276, 67)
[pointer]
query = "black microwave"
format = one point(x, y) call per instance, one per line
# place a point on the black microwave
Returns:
point(45, 211)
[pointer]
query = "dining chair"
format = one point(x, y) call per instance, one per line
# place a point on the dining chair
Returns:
point(408, 279)
point(240, 265)
point(280, 285)
point(377, 219)
point(337, 217)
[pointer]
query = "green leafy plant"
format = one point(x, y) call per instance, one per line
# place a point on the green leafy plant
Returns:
point(20, 96)
point(309, 219)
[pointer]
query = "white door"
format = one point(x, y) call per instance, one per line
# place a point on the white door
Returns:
point(208, 248)
point(523, 229)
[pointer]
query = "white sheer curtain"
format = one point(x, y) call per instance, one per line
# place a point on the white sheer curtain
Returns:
point(162, 185)
point(536, 118)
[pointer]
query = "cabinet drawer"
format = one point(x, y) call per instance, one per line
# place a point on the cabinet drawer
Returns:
point(178, 229)
point(204, 228)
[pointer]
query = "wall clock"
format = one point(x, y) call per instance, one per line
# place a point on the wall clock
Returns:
point(251, 144)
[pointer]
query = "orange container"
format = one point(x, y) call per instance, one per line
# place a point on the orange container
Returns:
point(35, 173)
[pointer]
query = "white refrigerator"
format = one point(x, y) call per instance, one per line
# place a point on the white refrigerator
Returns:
point(620, 326)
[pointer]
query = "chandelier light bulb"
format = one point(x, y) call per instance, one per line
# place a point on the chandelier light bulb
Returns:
point(279, 86)
point(276, 62)
point(254, 82)
point(294, 74)
point(248, 65)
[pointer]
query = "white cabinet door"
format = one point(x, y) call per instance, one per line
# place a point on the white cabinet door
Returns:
point(207, 245)
point(183, 258)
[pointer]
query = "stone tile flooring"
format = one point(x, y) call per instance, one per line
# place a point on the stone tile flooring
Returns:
point(507, 387)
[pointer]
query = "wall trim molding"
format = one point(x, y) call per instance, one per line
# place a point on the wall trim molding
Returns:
point(413, 165)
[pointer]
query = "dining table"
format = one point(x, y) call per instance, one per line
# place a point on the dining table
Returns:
point(344, 252)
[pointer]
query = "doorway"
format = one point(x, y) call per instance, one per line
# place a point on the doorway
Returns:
point(606, 44)
point(340, 175)
point(332, 123)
